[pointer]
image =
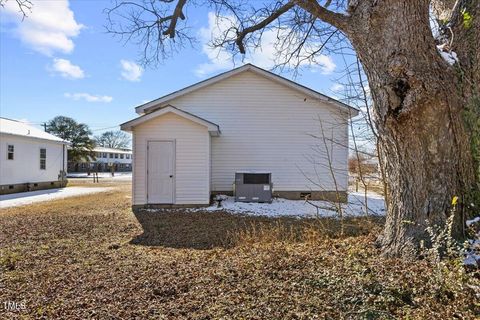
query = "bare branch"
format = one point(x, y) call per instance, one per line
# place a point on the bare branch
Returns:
point(24, 6)
point(155, 25)
point(337, 20)
point(178, 13)
point(261, 25)
point(149, 23)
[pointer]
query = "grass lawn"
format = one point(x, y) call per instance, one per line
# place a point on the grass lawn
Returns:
point(90, 257)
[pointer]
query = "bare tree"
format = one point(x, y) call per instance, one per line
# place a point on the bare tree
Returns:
point(150, 24)
point(323, 166)
point(113, 139)
point(24, 6)
point(364, 138)
point(421, 83)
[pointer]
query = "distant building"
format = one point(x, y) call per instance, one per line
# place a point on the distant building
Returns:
point(105, 158)
point(30, 159)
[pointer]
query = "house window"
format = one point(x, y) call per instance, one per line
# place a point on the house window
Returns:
point(127, 156)
point(111, 155)
point(10, 151)
point(104, 155)
point(121, 156)
point(116, 155)
point(43, 158)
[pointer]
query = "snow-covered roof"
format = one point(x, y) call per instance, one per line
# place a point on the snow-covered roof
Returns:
point(18, 128)
point(113, 150)
point(160, 102)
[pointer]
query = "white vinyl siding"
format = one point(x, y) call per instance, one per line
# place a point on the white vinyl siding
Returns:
point(268, 126)
point(192, 158)
point(25, 168)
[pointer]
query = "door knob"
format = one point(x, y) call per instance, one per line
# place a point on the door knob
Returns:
point(171, 176)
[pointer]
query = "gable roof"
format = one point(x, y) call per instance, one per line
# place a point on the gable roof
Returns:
point(149, 106)
point(213, 128)
point(18, 128)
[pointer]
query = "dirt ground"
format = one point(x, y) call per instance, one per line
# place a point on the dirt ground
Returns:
point(91, 257)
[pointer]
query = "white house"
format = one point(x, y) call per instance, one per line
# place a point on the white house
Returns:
point(189, 144)
point(31, 159)
point(105, 158)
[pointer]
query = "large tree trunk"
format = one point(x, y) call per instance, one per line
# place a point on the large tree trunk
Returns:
point(418, 113)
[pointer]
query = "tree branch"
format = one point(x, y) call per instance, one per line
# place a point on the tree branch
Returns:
point(152, 23)
point(177, 13)
point(337, 20)
point(24, 6)
point(272, 17)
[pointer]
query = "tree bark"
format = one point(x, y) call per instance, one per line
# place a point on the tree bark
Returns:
point(418, 114)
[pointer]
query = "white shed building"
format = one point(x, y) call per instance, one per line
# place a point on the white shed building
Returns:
point(30, 159)
point(189, 144)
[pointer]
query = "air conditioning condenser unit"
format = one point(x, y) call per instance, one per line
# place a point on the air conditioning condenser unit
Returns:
point(253, 186)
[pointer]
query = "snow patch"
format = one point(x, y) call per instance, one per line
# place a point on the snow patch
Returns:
point(449, 56)
point(471, 222)
point(472, 260)
point(25, 198)
point(102, 175)
point(299, 208)
point(472, 255)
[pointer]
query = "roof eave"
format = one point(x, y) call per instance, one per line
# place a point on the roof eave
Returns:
point(141, 109)
point(144, 108)
point(213, 128)
point(36, 138)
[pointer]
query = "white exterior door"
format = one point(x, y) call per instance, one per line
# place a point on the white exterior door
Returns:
point(160, 172)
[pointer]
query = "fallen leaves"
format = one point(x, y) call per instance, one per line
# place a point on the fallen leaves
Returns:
point(91, 257)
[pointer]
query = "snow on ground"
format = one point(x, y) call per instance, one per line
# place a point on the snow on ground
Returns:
point(102, 175)
point(299, 208)
point(472, 256)
point(25, 198)
point(447, 55)
point(474, 220)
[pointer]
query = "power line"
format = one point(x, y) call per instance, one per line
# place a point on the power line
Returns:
point(105, 128)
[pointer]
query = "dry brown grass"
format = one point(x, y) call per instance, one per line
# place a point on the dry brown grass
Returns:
point(88, 257)
point(102, 182)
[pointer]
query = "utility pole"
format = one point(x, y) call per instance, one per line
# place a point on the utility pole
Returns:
point(45, 126)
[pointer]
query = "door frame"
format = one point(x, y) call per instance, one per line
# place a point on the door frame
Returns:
point(174, 187)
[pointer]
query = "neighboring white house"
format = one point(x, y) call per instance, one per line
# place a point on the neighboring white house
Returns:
point(105, 158)
point(31, 159)
point(189, 144)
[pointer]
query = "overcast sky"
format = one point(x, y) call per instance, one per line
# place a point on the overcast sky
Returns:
point(61, 61)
